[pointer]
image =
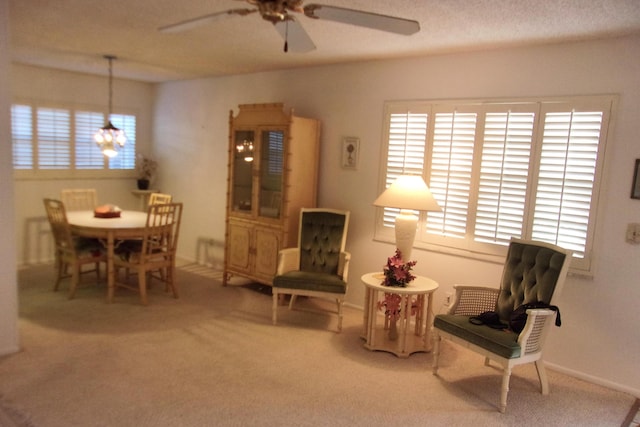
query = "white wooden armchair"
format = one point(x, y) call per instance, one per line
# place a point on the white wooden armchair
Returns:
point(533, 271)
point(319, 266)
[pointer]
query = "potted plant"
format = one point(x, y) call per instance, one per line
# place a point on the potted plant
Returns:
point(146, 168)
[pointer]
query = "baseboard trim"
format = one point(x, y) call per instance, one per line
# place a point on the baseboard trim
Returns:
point(593, 379)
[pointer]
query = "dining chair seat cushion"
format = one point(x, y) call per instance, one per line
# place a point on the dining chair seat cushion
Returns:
point(88, 247)
point(306, 280)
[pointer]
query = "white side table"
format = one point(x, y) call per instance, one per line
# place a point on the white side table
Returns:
point(416, 315)
point(143, 195)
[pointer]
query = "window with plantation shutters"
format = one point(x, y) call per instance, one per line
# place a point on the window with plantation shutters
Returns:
point(22, 136)
point(500, 169)
point(58, 141)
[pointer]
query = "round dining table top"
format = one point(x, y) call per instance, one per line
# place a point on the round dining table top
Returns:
point(127, 219)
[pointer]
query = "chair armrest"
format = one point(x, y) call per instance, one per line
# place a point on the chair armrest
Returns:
point(472, 300)
point(535, 330)
point(343, 265)
point(288, 260)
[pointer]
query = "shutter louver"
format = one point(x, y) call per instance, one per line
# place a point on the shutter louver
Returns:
point(22, 136)
point(54, 146)
point(565, 184)
point(504, 173)
point(87, 152)
point(450, 175)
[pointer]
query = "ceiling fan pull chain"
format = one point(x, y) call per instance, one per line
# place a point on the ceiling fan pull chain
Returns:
point(286, 37)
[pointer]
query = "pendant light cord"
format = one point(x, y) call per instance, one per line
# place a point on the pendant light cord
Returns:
point(110, 58)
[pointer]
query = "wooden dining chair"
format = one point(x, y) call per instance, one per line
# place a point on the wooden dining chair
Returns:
point(79, 199)
point(156, 250)
point(159, 198)
point(71, 253)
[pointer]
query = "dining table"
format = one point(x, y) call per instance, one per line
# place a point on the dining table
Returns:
point(110, 232)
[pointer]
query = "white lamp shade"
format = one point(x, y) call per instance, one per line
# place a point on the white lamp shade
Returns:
point(408, 192)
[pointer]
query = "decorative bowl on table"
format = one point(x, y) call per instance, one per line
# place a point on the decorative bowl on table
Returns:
point(107, 211)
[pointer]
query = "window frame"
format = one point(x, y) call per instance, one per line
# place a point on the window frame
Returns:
point(36, 173)
point(468, 246)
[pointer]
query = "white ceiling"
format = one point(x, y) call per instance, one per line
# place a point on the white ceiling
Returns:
point(75, 34)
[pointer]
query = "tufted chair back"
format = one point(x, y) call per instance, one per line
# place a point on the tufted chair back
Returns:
point(322, 238)
point(530, 274)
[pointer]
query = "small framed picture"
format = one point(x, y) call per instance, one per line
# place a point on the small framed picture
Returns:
point(635, 186)
point(350, 152)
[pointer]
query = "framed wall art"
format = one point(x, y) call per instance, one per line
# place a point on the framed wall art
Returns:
point(350, 152)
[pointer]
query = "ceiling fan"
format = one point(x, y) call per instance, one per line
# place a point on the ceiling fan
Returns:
point(295, 37)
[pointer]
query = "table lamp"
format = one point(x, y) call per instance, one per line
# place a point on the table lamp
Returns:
point(408, 193)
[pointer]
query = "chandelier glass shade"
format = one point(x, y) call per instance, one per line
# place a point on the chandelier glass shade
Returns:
point(109, 138)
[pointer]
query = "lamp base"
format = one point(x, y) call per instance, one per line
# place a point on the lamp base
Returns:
point(405, 227)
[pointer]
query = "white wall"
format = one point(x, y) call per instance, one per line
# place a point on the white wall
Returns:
point(598, 339)
point(8, 290)
point(34, 242)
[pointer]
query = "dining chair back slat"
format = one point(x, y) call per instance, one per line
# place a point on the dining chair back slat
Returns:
point(79, 199)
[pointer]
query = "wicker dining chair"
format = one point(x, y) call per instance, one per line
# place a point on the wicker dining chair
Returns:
point(71, 252)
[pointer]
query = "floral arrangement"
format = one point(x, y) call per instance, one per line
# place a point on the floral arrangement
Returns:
point(145, 166)
point(397, 272)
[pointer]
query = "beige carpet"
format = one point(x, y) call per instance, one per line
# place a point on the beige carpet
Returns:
point(212, 357)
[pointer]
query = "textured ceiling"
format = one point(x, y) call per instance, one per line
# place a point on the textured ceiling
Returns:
point(75, 34)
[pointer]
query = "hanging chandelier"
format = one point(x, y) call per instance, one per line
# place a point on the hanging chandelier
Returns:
point(109, 138)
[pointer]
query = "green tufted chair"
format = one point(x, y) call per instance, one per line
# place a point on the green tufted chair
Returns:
point(533, 271)
point(319, 266)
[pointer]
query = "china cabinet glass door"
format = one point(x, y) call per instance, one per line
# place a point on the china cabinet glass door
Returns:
point(271, 169)
point(242, 185)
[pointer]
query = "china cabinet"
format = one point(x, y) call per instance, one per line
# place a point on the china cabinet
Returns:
point(272, 173)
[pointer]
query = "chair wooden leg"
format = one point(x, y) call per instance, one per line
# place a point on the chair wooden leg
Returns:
point(339, 301)
point(505, 388)
point(75, 277)
point(542, 375)
point(142, 284)
point(274, 307)
point(436, 351)
point(292, 301)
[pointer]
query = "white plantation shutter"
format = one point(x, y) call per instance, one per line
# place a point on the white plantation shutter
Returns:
point(504, 174)
point(450, 174)
point(22, 136)
point(87, 152)
point(567, 172)
point(126, 158)
point(406, 151)
point(54, 143)
point(524, 168)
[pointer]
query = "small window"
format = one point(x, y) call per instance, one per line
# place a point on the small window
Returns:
point(60, 140)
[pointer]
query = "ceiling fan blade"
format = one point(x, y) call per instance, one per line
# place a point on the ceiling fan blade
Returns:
point(206, 19)
point(363, 19)
point(294, 36)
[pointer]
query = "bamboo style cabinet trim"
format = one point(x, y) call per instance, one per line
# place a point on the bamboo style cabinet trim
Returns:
point(265, 195)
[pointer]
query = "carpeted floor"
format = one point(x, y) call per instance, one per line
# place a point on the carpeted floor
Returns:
point(212, 357)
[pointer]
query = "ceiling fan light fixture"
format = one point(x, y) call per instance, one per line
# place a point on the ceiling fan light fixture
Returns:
point(109, 137)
